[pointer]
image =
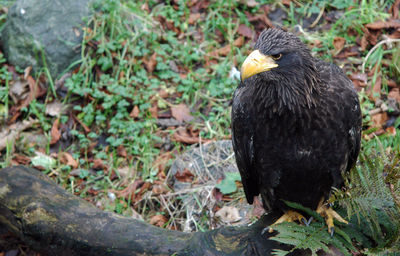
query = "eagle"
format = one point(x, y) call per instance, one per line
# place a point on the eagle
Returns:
point(296, 127)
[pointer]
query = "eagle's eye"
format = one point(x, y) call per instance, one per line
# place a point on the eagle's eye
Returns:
point(276, 56)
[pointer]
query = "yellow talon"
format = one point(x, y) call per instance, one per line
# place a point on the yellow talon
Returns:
point(289, 216)
point(329, 214)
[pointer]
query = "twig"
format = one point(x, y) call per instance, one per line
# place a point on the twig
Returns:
point(319, 17)
point(386, 41)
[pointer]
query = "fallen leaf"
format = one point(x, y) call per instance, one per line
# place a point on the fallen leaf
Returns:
point(245, 31)
point(21, 159)
point(121, 151)
point(391, 130)
point(43, 161)
point(162, 160)
point(55, 133)
point(379, 120)
point(54, 108)
point(67, 159)
point(185, 176)
point(395, 9)
point(19, 90)
point(181, 113)
point(135, 112)
point(160, 189)
point(158, 220)
point(129, 192)
point(150, 64)
point(11, 133)
point(394, 94)
point(383, 24)
point(228, 214)
point(250, 3)
point(193, 18)
point(98, 164)
point(338, 44)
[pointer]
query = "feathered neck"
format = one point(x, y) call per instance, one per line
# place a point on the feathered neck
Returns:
point(287, 93)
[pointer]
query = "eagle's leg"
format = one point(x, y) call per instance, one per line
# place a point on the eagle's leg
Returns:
point(329, 214)
point(289, 216)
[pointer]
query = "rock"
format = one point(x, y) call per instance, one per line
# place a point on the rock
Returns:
point(52, 27)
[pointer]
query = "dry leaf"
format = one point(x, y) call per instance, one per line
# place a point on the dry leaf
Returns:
point(338, 43)
point(245, 31)
point(379, 120)
point(129, 192)
point(181, 113)
point(98, 164)
point(55, 133)
point(185, 176)
point(135, 112)
point(150, 64)
point(394, 94)
point(121, 151)
point(377, 25)
point(193, 17)
point(160, 189)
point(21, 159)
point(67, 159)
point(54, 108)
point(11, 133)
point(19, 90)
point(158, 220)
point(228, 214)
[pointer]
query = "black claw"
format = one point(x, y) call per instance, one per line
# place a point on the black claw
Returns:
point(304, 221)
point(264, 230)
point(332, 231)
point(309, 221)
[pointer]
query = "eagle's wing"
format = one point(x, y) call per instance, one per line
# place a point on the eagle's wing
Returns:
point(242, 141)
point(351, 117)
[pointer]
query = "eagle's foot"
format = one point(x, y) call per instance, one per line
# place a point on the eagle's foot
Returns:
point(329, 214)
point(289, 216)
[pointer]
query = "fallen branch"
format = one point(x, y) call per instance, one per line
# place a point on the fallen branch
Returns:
point(54, 222)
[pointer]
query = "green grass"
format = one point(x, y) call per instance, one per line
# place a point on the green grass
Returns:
point(112, 79)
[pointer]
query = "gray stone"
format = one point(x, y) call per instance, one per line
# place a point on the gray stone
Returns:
point(52, 27)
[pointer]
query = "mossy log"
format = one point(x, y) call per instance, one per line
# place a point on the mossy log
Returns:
point(53, 222)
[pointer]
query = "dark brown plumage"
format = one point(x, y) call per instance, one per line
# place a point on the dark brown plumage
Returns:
point(296, 127)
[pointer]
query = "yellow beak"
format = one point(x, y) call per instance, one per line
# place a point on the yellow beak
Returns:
point(256, 63)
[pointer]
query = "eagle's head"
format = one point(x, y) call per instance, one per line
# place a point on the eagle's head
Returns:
point(282, 63)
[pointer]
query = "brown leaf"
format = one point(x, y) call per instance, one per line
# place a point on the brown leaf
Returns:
point(150, 64)
point(67, 159)
point(394, 94)
point(338, 43)
point(21, 159)
point(158, 220)
point(129, 192)
point(395, 9)
point(185, 137)
point(160, 189)
point(193, 18)
point(379, 119)
point(181, 113)
point(245, 31)
point(135, 112)
point(98, 164)
point(383, 24)
point(121, 151)
point(251, 3)
point(55, 133)
point(185, 176)
point(162, 161)
point(154, 111)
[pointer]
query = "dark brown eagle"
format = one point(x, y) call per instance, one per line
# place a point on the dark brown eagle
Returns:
point(296, 126)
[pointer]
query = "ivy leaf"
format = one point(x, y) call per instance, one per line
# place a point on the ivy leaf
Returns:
point(228, 185)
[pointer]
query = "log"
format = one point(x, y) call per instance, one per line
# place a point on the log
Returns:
point(53, 222)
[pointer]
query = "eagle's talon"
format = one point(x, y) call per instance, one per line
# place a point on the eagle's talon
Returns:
point(309, 221)
point(305, 222)
point(329, 214)
point(265, 230)
point(332, 231)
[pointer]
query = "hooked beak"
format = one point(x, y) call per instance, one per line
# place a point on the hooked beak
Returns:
point(256, 63)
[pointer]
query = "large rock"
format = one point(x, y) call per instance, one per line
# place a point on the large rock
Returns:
point(52, 27)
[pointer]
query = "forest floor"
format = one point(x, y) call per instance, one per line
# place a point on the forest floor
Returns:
point(158, 77)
